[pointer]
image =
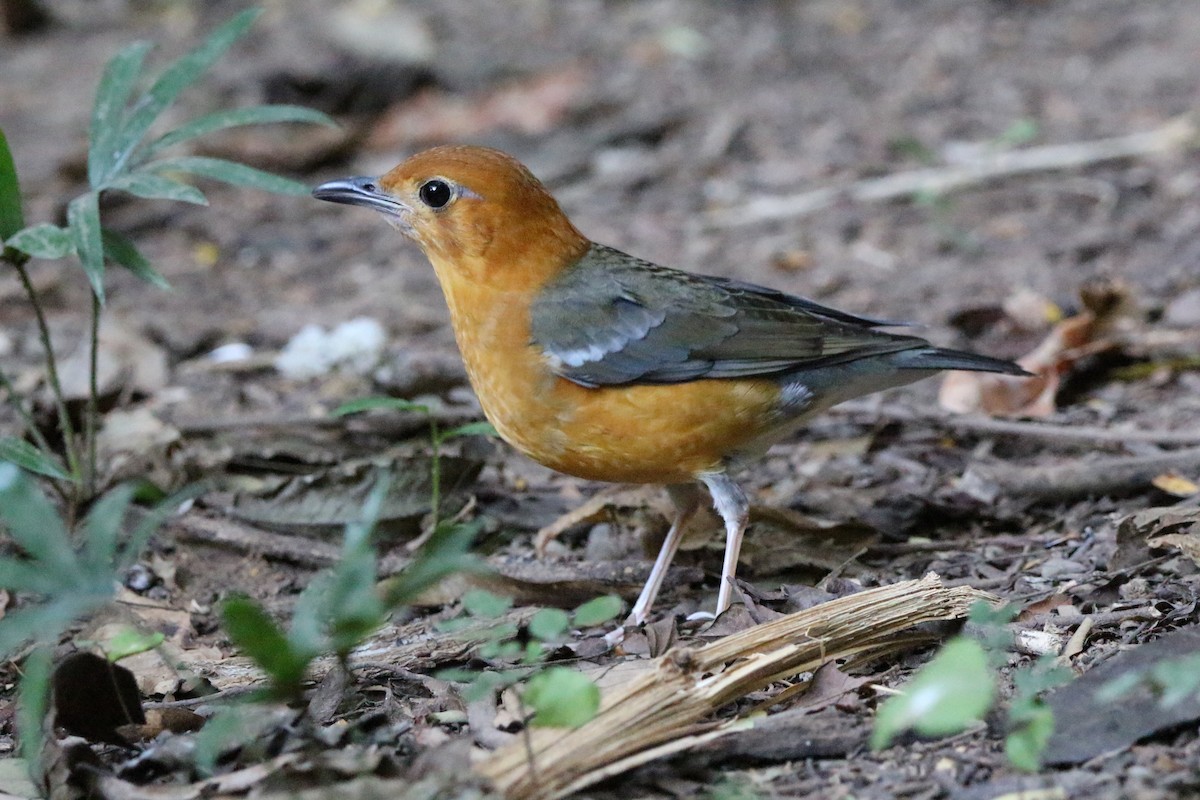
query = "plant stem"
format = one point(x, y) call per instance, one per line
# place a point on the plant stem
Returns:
point(527, 738)
point(64, 418)
point(90, 418)
point(435, 475)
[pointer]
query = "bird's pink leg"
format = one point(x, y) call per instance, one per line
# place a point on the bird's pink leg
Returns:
point(686, 498)
point(734, 508)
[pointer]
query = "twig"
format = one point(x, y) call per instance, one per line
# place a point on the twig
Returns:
point(1176, 134)
point(298, 550)
point(1083, 434)
point(405, 422)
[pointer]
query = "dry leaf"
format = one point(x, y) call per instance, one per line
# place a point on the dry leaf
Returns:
point(1175, 484)
point(1066, 343)
point(126, 361)
point(1186, 543)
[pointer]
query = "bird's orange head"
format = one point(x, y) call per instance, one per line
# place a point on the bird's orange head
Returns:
point(478, 214)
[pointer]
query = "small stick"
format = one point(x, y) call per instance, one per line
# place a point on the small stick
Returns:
point(1177, 134)
point(1096, 476)
point(415, 421)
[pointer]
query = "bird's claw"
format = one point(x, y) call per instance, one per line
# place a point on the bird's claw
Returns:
point(615, 637)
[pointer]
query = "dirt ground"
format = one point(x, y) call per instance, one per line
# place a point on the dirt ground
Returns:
point(661, 125)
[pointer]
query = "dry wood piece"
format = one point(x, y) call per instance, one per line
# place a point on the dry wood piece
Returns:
point(1086, 477)
point(666, 709)
point(1179, 134)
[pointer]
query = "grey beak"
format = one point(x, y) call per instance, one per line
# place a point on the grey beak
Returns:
point(360, 191)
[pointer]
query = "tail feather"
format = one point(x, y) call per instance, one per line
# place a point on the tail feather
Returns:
point(942, 358)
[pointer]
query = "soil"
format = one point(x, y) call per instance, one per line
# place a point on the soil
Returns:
point(654, 123)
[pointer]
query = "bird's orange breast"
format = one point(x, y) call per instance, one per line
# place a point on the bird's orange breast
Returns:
point(628, 434)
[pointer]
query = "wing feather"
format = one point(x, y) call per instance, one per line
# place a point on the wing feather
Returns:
point(612, 319)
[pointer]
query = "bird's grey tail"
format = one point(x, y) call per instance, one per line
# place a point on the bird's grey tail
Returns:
point(941, 358)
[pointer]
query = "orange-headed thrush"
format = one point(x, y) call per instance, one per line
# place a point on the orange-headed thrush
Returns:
point(601, 365)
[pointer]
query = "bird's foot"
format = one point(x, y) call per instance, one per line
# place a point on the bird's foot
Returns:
point(701, 616)
point(615, 637)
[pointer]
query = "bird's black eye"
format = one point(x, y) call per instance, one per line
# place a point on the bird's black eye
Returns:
point(435, 193)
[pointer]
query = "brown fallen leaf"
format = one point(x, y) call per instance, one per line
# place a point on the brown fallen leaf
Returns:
point(1175, 484)
point(1067, 342)
point(1186, 543)
point(1137, 532)
point(126, 362)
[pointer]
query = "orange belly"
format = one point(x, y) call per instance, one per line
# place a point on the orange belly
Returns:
point(634, 434)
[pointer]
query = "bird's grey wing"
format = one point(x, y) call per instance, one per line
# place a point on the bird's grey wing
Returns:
point(612, 319)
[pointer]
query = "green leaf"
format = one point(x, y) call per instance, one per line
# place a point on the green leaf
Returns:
point(19, 575)
point(123, 252)
point(372, 403)
point(158, 187)
point(104, 524)
point(485, 605)
point(129, 641)
point(534, 653)
point(254, 632)
point(947, 694)
point(154, 520)
point(549, 624)
point(32, 706)
point(1118, 687)
point(230, 728)
point(1177, 679)
point(1025, 744)
point(994, 634)
point(471, 429)
point(43, 241)
point(44, 623)
point(352, 605)
point(307, 631)
point(173, 80)
point(11, 217)
point(108, 111)
point(561, 698)
point(83, 217)
point(237, 117)
point(28, 457)
point(446, 553)
point(220, 169)
point(597, 611)
point(34, 524)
